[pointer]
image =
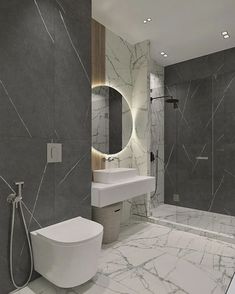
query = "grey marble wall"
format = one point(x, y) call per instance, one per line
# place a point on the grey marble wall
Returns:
point(45, 96)
point(203, 127)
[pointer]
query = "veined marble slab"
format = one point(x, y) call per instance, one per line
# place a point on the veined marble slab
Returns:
point(231, 289)
point(149, 258)
point(213, 225)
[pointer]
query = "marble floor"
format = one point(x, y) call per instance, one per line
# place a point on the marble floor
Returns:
point(153, 259)
point(205, 220)
point(231, 289)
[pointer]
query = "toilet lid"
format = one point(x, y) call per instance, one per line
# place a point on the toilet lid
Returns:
point(72, 231)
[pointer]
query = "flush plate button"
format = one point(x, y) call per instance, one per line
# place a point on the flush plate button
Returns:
point(54, 152)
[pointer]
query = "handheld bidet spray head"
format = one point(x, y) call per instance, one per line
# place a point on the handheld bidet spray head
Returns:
point(20, 186)
point(16, 197)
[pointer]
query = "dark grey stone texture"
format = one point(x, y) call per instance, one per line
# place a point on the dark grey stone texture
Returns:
point(218, 63)
point(115, 121)
point(202, 126)
point(45, 96)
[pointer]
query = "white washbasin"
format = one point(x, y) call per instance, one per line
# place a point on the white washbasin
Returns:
point(113, 175)
point(106, 194)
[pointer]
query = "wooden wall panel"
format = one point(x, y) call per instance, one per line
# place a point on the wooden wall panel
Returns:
point(98, 74)
point(98, 53)
point(97, 160)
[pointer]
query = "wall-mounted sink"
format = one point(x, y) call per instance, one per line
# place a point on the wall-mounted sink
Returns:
point(113, 175)
point(118, 185)
point(114, 186)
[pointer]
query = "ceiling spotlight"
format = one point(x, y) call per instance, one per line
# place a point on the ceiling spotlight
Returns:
point(148, 20)
point(164, 54)
point(225, 34)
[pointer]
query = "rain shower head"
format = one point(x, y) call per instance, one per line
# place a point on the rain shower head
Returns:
point(168, 99)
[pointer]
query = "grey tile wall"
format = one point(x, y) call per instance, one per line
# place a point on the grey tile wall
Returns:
point(45, 95)
point(202, 126)
point(202, 67)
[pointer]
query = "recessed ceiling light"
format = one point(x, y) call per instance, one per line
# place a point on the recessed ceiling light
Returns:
point(164, 54)
point(148, 20)
point(225, 34)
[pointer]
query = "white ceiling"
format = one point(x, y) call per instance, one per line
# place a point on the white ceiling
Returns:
point(184, 29)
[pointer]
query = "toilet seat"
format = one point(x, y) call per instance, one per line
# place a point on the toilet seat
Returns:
point(82, 230)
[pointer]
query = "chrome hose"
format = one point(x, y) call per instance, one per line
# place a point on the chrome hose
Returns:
point(14, 207)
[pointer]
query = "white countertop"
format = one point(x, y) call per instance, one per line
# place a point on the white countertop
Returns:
point(106, 194)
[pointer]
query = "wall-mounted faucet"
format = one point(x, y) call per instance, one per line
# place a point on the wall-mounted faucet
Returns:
point(110, 158)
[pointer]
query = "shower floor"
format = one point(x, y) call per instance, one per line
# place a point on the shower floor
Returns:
point(222, 225)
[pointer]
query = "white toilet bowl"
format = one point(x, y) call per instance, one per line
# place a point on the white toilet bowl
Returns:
point(67, 253)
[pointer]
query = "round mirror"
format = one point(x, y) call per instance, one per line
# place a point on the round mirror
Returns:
point(111, 120)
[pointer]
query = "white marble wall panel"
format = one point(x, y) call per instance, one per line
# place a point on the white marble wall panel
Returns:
point(127, 70)
point(100, 122)
point(140, 107)
point(119, 76)
point(119, 64)
point(157, 132)
point(127, 123)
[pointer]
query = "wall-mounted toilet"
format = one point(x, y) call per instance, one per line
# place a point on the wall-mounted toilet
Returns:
point(67, 253)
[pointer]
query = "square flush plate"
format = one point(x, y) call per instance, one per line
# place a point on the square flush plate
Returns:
point(54, 152)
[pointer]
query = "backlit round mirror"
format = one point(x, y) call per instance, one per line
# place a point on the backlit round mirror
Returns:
point(111, 120)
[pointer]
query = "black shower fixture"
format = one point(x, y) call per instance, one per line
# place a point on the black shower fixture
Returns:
point(169, 99)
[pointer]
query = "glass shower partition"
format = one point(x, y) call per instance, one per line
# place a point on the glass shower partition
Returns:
point(192, 157)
